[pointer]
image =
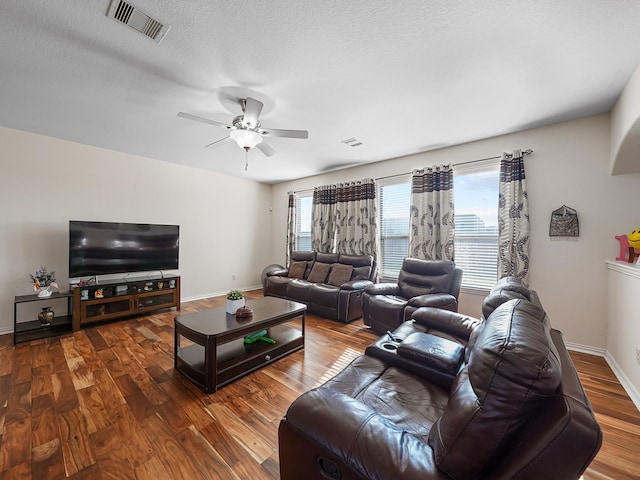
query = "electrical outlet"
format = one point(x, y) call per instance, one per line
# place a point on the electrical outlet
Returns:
point(233, 277)
point(638, 356)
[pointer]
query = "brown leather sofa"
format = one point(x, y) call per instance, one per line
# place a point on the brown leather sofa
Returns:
point(421, 283)
point(515, 407)
point(330, 284)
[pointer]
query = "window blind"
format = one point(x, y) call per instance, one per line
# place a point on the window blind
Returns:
point(476, 224)
point(394, 207)
point(303, 222)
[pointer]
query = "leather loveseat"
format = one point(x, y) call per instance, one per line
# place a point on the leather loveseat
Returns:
point(514, 408)
point(330, 284)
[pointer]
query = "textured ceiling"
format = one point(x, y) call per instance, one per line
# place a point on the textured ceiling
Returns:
point(401, 77)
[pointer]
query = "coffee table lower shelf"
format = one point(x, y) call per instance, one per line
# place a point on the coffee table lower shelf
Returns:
point(235, 359)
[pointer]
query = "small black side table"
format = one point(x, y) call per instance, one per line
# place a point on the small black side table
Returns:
point(32, 330)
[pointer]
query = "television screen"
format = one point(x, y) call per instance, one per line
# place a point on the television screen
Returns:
point(99, 248)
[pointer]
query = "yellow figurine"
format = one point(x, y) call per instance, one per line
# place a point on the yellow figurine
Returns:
point(634, 238)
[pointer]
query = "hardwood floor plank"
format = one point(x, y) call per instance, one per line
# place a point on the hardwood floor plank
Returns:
point(18, 472)
point(259, 447)
point(207, 460)
point(64, 393)
point(133, 438)
point(106, 402)
point(21, 365)
point(41, 381)
point(224, 443)
point(89, 473)
point(76, 448)
point(110, 455)
point(99, 344)
point(16, 443)
point(152, 469)
point(94, 409)
point(81, 376)
point(44, 422)
point(47, 462)
point(18, 403)
point(109, 392)
point(168, 446)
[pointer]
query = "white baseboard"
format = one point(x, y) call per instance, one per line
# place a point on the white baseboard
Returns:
point(6, 330)
point(576, 347)
point(617, 371)
point(217, 294)
point(624, 381)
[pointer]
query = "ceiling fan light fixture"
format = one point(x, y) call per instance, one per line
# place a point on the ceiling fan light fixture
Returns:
point(246, 139)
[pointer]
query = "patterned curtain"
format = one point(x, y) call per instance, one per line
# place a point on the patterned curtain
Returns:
point(291, 226)
point(513, 218)
point(431, 234)
point(356, 218)
point(323, 217)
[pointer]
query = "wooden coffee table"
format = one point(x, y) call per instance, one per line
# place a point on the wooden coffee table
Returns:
point(215, 353)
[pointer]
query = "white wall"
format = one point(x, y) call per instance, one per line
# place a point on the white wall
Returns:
point(225, 223)
point(569, 166)
point(623, 329)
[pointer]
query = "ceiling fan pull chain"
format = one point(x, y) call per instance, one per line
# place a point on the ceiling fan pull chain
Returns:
point(246, 159)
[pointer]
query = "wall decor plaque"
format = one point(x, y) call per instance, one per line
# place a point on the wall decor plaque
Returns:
point(564, 223)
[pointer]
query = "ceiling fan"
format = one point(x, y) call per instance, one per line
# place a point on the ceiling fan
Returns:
point(246, 129)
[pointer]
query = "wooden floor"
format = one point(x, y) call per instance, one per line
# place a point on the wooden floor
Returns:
point(106, 402)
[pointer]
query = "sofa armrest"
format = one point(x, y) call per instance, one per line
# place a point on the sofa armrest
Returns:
point(432, 300)
point(356, 285)
point(373, 446)
point(383, 289)
point(278, 273)
point(451, 322)
point(435, 352)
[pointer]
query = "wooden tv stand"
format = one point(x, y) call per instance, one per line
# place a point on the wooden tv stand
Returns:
point(123, 298)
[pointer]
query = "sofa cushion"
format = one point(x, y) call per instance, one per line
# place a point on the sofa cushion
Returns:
point(421, 277)
point(319, 272)
point(512, 284)
point(298, 290)
point(327, 257)
point(362, 265)
point(297, 269)
point(505, 289)
point(513, 369)
point(340, 273)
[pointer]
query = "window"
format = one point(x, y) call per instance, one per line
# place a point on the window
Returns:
point(476, 224)
point(303, 221)
point(394, 207)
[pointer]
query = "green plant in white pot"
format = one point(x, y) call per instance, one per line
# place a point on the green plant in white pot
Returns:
point(235, 300)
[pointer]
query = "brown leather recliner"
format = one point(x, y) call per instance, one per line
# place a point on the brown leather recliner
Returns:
point(421, 283)
point(452, 327)
point(516, 409)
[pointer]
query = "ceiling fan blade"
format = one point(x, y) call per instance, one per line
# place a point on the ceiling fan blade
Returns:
point(217, 142)
point(277, 132)
point(188, 116)
point(252, 109)
point(266, 149)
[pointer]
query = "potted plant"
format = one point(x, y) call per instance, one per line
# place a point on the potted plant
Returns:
point(43, 282)
point(235, 300)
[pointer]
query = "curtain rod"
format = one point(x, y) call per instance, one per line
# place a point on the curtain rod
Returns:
point(525, 152)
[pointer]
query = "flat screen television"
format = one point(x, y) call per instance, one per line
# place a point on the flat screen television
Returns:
point(100, 248)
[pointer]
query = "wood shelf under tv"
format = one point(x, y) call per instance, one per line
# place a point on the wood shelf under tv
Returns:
point(121, 298)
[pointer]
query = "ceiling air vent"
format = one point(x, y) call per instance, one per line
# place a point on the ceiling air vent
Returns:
point(352, 142)
point(138, 20)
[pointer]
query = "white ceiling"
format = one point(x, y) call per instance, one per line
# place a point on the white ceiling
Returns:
point(399, 76)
